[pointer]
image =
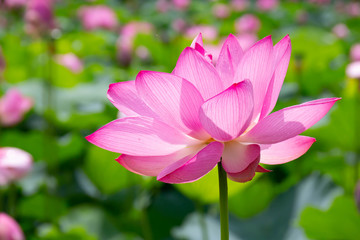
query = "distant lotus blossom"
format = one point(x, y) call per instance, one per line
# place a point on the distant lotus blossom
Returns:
point(9, 228)
point(210, 32)
point(239, 5)
point(13, 106)
point(125, 42)
point(16, 3)
point(267, 5)
point(221, 10)
point(353, 70)
point(340, 30)
point(179, 125)
point(181, 4)
point(353, 9)
point(357, 195)
point(179, 25)
point(2, 61)
point(97, 17)
point(162, 6)
point(355, 52)
point(247, 23)
point(70, 61)
point(14, 164)
point(39, 17)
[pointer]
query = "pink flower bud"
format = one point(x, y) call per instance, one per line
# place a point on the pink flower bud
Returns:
point(179, 25)
point(209, 32)
point(247, 23)
point(97, 17)
point(181, 4)
point(13, 106)
point(340, 30)
point(39, 17)
point(9, 228)
point(239, 5)
point(14, 164)
point(162, 6)
point(266, 5)
point(353, 70)
point(70, 61)
point(15, 3)
point(221, 11)
point(353, 9)
point(2, 62)
point(355, 52)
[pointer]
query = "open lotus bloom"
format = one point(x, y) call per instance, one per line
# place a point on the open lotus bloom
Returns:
point(179, 125)
point(13, 106)
point(98, 17)
point(9, 228)
point(14, 164)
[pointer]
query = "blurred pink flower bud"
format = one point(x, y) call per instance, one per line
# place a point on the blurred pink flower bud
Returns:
point(125, 42)
point(13, 106)
point(208, 32)
point(97, 17)
point(357, 195)
point(181, 4)
point(2, 61)
point(39, 17)
point(302, 16)
point(9, 228)
point(355, 52)
point(247, 23)
point(70, 61)
point(353, 70)
point(162, 6)
point(246, 40)
point(221, 10)
point(15, 3)
point(267, 5)
point(14, 164)
point(340, 30)
point(353, 9)
point(239, 5)
point(179, 25)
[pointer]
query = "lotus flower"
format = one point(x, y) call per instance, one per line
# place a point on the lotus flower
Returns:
point(13, 106)
point(247, 23)
point(15, 3)
point(39, 17)
point(98, 17)
point(70, 61)
point(14, 164)
point(9, 228)
point(179, 125)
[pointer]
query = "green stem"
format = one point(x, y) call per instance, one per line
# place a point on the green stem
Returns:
point(224, 213)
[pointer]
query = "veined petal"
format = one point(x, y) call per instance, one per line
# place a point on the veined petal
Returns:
point(285, 151)
point(237, 156)
point(140, 136)
point(288, 122)
point(152, 166)
point(190, 169)
point(198, 45)
point(257, 65)
point(228, 114)
point(192, 66)
point(197, 41)
point(125, 98)
point(282, 52)
point(175, 100)
point(247, 174)
point(229, 58)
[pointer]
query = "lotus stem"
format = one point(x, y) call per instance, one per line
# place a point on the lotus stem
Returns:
point(223, 197)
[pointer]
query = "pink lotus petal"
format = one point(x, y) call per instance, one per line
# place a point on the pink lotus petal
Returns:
point(14, 164)
point(175, 100)
point(247, 174)
point(228, 114)
point(9, 228)
point(197, 44)
point(152, 166)
point(194, 68)
point(190, 169)
point(229, 59)
point(70, 61)
point(289, 122)
point(261, 169)
point(285, 151)
point(125, 98)
point(282, 52)
point(237, 156)
point(257, 65)
point(140, 136)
